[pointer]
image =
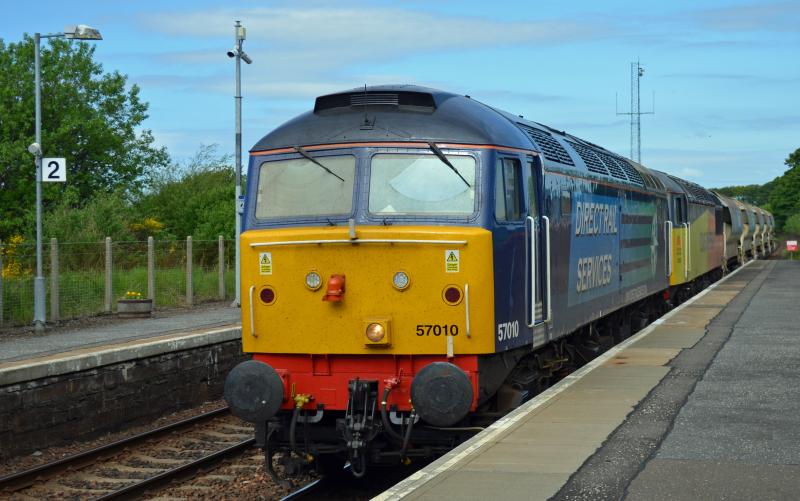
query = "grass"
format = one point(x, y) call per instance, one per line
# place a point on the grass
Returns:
point(82, 293)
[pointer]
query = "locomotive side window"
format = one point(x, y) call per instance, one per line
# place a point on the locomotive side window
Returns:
point(301, 188)
point(507, 190)
point(679, 205)
point(533, 208)
point(421, 184)
point(566, 204)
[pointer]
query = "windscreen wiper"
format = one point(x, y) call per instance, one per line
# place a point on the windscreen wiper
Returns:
point(435, 149)
point(304, 153)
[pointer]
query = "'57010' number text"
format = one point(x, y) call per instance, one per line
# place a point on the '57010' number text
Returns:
point(437, 330)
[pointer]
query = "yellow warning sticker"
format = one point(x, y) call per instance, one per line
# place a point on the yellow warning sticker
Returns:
point(265, 263)
point(452, 261)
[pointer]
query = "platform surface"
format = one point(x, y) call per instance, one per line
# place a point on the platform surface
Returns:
point(63, 350)
point(60, 340)
point(703, 404)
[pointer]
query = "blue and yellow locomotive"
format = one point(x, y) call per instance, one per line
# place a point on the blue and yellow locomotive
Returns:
point(416, 263)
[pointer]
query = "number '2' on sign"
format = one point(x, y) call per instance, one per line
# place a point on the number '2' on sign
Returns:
point(54, 170)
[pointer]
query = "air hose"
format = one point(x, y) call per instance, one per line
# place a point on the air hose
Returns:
point(293, 430)
point(385, 417)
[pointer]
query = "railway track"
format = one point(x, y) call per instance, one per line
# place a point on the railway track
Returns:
point(131, 467)
point(345, 487)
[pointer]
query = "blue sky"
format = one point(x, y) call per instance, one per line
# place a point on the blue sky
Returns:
point(725, 74)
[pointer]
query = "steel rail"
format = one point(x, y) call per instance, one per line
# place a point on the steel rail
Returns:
point(26, 478)
point(304, 491)
point(189, 469)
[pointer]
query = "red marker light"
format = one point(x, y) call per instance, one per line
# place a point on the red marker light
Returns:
point(267, 295)
point(335, 289)
point(452, 295)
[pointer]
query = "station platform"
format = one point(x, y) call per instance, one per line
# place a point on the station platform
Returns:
point(71, 349)
point(74, 383)
point(702, 404)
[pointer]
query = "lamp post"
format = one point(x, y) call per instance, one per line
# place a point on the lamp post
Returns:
point(79, 32)
point(239, 54)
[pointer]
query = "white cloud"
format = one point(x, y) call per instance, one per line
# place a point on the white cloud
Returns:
point(713, 168)
point(304, 42)
point(370, 29)
point(753, 17)
point(689, 172)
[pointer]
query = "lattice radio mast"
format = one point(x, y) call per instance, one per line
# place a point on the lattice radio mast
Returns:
point(636, 123)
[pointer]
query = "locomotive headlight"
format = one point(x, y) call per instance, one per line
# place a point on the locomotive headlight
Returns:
point(375, 332)
point(400, 280)
point(313, 280)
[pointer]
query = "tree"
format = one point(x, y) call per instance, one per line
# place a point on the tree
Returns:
point(196, 199)
point(756, 194)
point(792, 226)
point(88, 116)
point(785, 196)
point(105, 215)
point(781, 196)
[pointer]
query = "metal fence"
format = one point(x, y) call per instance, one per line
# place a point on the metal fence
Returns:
point(89, 278)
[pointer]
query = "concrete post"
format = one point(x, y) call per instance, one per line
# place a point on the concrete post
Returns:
point(189, 284)
point(55, 296)
point(151, 270)
point(1, 283)
point(221, 267)
point(108, 276)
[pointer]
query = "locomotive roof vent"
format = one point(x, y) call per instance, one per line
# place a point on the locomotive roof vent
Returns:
point(550, 147)
point(404, 100)
point(695, 191)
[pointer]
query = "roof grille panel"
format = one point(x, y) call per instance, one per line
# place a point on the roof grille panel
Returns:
point(633, 173)
point(651, 180)
point(374, 99)
point(695, 191)
point(412, 101)
point(612, 165)
point(551, 149)
point(592, 161)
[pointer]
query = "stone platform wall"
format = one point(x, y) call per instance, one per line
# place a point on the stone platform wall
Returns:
point(81, 405)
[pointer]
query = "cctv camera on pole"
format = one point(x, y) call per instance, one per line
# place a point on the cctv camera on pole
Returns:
point(240, 55)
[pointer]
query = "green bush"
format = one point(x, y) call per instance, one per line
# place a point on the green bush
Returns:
point(196, 199)
point(105, 215)
point(792, 225)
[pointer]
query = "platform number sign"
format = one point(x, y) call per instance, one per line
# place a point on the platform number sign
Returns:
point(54, 170)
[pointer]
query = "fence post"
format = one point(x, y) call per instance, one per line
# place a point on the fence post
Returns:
point(151, 270)
point(1, 284)
point(189, 289)
point(55, 296)
point(221, 266)
point(108, 275)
